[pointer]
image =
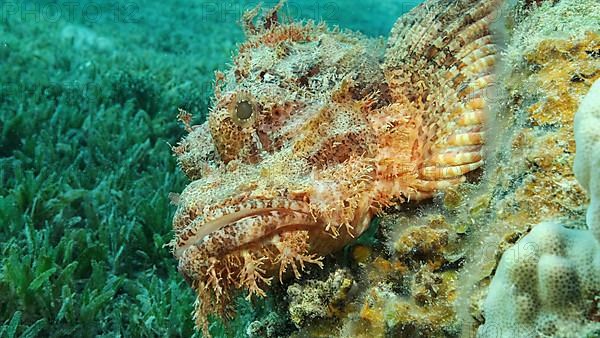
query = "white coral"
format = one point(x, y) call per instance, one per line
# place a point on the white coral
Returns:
point(545, 285)
point(549, 282)
point(587, 158)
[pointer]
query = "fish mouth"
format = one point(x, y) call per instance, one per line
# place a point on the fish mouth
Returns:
point(233, 227)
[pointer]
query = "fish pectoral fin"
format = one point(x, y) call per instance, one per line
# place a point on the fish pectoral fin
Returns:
point(440, 60)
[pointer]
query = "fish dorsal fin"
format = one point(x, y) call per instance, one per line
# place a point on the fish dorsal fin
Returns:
point(439, 63)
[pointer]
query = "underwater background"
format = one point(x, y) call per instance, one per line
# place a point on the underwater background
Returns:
point(89, 94)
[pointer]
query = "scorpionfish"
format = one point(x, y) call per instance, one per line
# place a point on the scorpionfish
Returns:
point(313, 131)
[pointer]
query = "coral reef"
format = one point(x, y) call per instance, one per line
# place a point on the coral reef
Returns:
point(404, 294)
point(417, 245)
point(384, 312)
point(319, 299)
point(547, 283)
point(545, 77)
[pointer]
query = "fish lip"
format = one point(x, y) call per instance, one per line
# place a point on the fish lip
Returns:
point(199, 254)
point(196, 233)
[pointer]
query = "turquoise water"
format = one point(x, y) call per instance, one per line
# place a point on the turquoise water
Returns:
point(89, 93)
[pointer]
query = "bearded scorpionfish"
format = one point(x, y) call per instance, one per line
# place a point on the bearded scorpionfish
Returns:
point(313, 132)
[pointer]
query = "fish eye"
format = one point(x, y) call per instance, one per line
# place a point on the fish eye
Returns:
point(243, 110)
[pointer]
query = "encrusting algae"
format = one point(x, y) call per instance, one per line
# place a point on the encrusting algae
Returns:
point(314, 132)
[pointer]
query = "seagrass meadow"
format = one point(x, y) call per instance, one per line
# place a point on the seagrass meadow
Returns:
point(89, 94)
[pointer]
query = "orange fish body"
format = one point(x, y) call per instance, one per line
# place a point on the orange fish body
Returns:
point(312, 132)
